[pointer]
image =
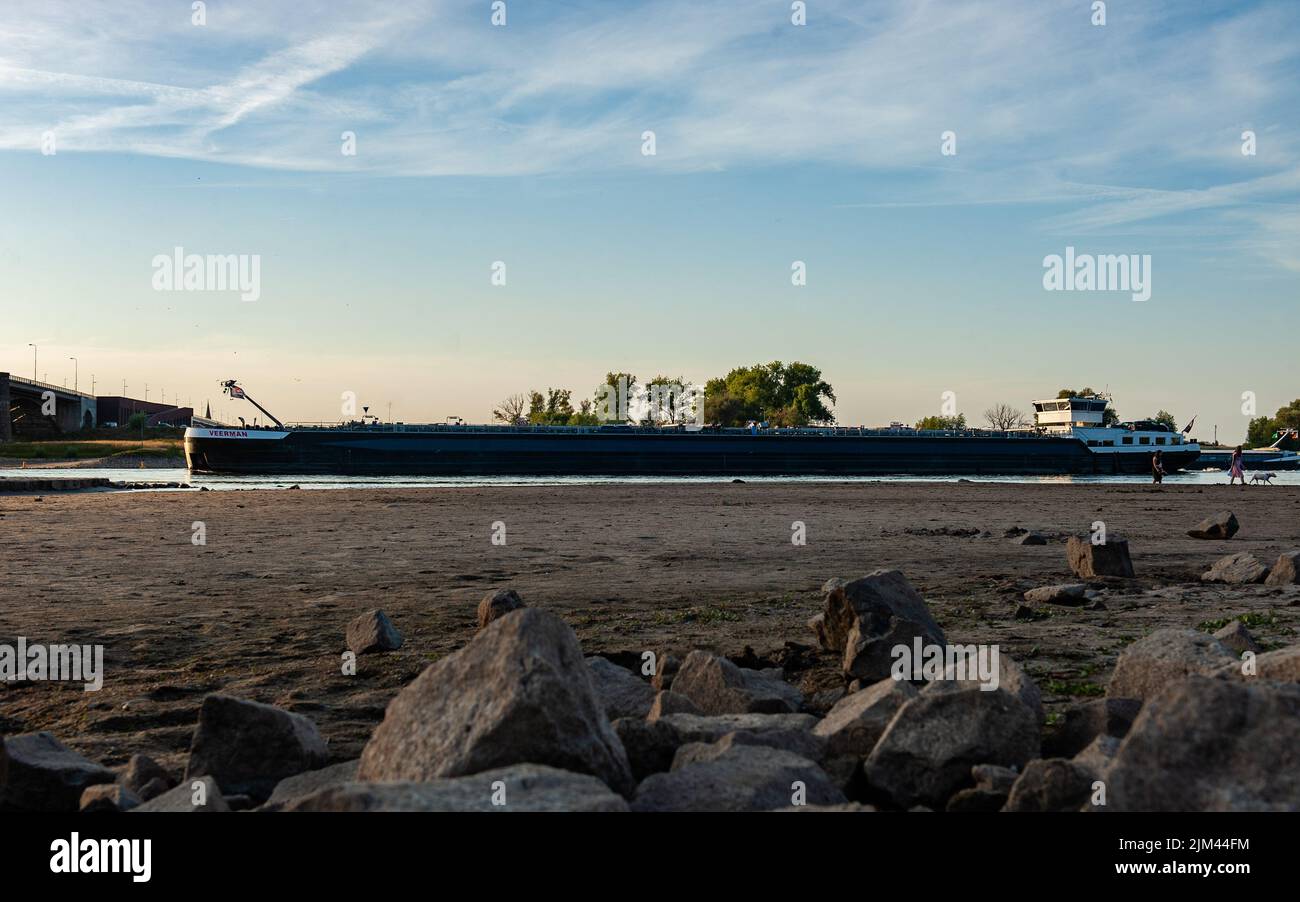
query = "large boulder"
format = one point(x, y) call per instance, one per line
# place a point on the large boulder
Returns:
point(248, 747)
point(732, 776)
point(856, 723)
point(927, 751)
point(964, 672)
point(39, 773)
point(1286, 571)
point(1069, 594)
point(497, 604)
point(188, 797)
point(373, 632)
point(1241, 568)
point(140, 772)
point(1281, 665)
point(866, 618)
point(717, 686)
point(1087, 560)
point(301, 785)
point(1211, 745)
point(1237, 638)
point(519, 692)
point(108, 797)
point(669, 702)
point(622, 693)
point(1051, 784)
point(520, 787)
point(651, 744)
point(992, 786)
point(1151, 663)
point(1097, 717)
point(1222, 525)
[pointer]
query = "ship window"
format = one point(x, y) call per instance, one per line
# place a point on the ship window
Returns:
point(1092, 443)
point(1160, 441)
point(1144, 440)
point(1178, 440)
point(1108, 443)
point(1128, 439)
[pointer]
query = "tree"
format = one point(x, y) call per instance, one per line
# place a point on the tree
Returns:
point(554, 410)
point(950, 423)
point(513, 410)
point(1166, 418)
point(1263, 431)
point(1109, 418)
point(619, 392)
point(786, 395)
point(1003, 417)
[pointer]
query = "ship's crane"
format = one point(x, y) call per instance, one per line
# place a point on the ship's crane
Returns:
point(232, 388)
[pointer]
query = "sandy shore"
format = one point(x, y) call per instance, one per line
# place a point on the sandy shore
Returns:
point(260, 610)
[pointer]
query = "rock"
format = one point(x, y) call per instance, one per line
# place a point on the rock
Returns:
point(301, 785)
point(1237, 638)
point(142, 770)
point(927, 751)
point(519, 692)
point(1280, 665)
point(108, 797)
point(867, 617)
point(241, 802)
point(1153, 662)
point(1096, 758)
point(842, 807)
point(1211, 745)
point(692, 728)
point(857, 721)
point(42, 774)
point(497, 604)
point(1098, 717)
point(669, 702)
point(992, 786)
point(520, 787)
point(248, 747)
point(1088, 560)
point(1071, 594)
point(154, 788)
point(622, 693)
point(1286, 571)
point(964, 673)
point(1030, 538)
point(821, 702)
point(1051, 784)
point(666, 668)
point(1222, 525)
point(817, 623)
point(649, 745)
point(799, 742)
point(189, 797)
point(373, 632)
point(1237, 569)
point(736, 778)
point(717, 686)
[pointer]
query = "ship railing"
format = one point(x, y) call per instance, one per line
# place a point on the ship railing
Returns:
point(848, 431)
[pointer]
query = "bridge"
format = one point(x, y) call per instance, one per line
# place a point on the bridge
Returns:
point(41, 409)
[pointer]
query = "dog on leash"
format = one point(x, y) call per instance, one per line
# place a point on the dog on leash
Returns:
point(1266, 478)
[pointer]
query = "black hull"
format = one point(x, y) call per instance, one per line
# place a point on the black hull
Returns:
point(524, 453)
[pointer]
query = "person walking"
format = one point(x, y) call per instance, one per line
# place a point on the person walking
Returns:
point(1237, 468)
point(1157, 468)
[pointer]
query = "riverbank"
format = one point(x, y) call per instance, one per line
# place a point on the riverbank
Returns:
point(258, 609)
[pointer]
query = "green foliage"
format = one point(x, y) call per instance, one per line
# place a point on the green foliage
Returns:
point(1166, 418)
point(553, 409)
point(934, 422)
point(1263, 431)
point(784, 395)
point(137, 420)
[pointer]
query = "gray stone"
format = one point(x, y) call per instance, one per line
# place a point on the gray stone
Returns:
point(964, 673)
point(927, 751)
point(1151, 663)
point(373, 632)
point(992, 786)
point(520, 787)
point(248, 747)
point(799, 742)
point(817, 623)
point(1097, 717)
point(737, 778)
point(669, 702)
point(107, 797)
point(1051, 784)
point(1070, 594)
point(497, 604)
point(868, 617)
point(1211, 745)
point(666, 667)
point(649, 745)
point(693, 728)
point(1087, 560)
point(183, 798)
point(1029, 538)
point(1237, 638)
point(519, 692)
point(1286, 571)
point(1097, 757)
point(39, 773)
point(1280, 665)
point(140, 772)
point(1222, 525)
point(717, 686)
point(857, 721)
point(304, 784)
point(622, 693)
point(154, 788)
point(1241, 568)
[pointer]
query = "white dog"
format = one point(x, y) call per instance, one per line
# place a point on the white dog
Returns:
point(1263, 477)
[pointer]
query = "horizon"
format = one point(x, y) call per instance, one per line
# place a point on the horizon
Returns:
point(127, 134)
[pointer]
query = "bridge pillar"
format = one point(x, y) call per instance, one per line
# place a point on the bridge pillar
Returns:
point(6, 424)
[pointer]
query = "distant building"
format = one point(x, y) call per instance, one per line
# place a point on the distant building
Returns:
point(119, 410)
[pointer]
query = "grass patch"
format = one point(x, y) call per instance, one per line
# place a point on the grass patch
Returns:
point(90, 450)
point(705, 614)
point(1255, 618)
point(1074, 688)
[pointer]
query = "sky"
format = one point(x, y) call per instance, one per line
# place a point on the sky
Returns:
point(920, 160)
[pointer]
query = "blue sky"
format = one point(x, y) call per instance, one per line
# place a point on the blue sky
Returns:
point(774, 143)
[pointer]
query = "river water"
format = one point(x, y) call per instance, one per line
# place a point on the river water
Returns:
point(219, 483)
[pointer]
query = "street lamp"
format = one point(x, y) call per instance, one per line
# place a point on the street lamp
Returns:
point(76, 366)
point(33, 347)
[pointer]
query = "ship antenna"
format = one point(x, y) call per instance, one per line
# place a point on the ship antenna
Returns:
point(233, 388)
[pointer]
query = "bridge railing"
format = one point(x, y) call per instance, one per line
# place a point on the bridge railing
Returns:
point(19, 380)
